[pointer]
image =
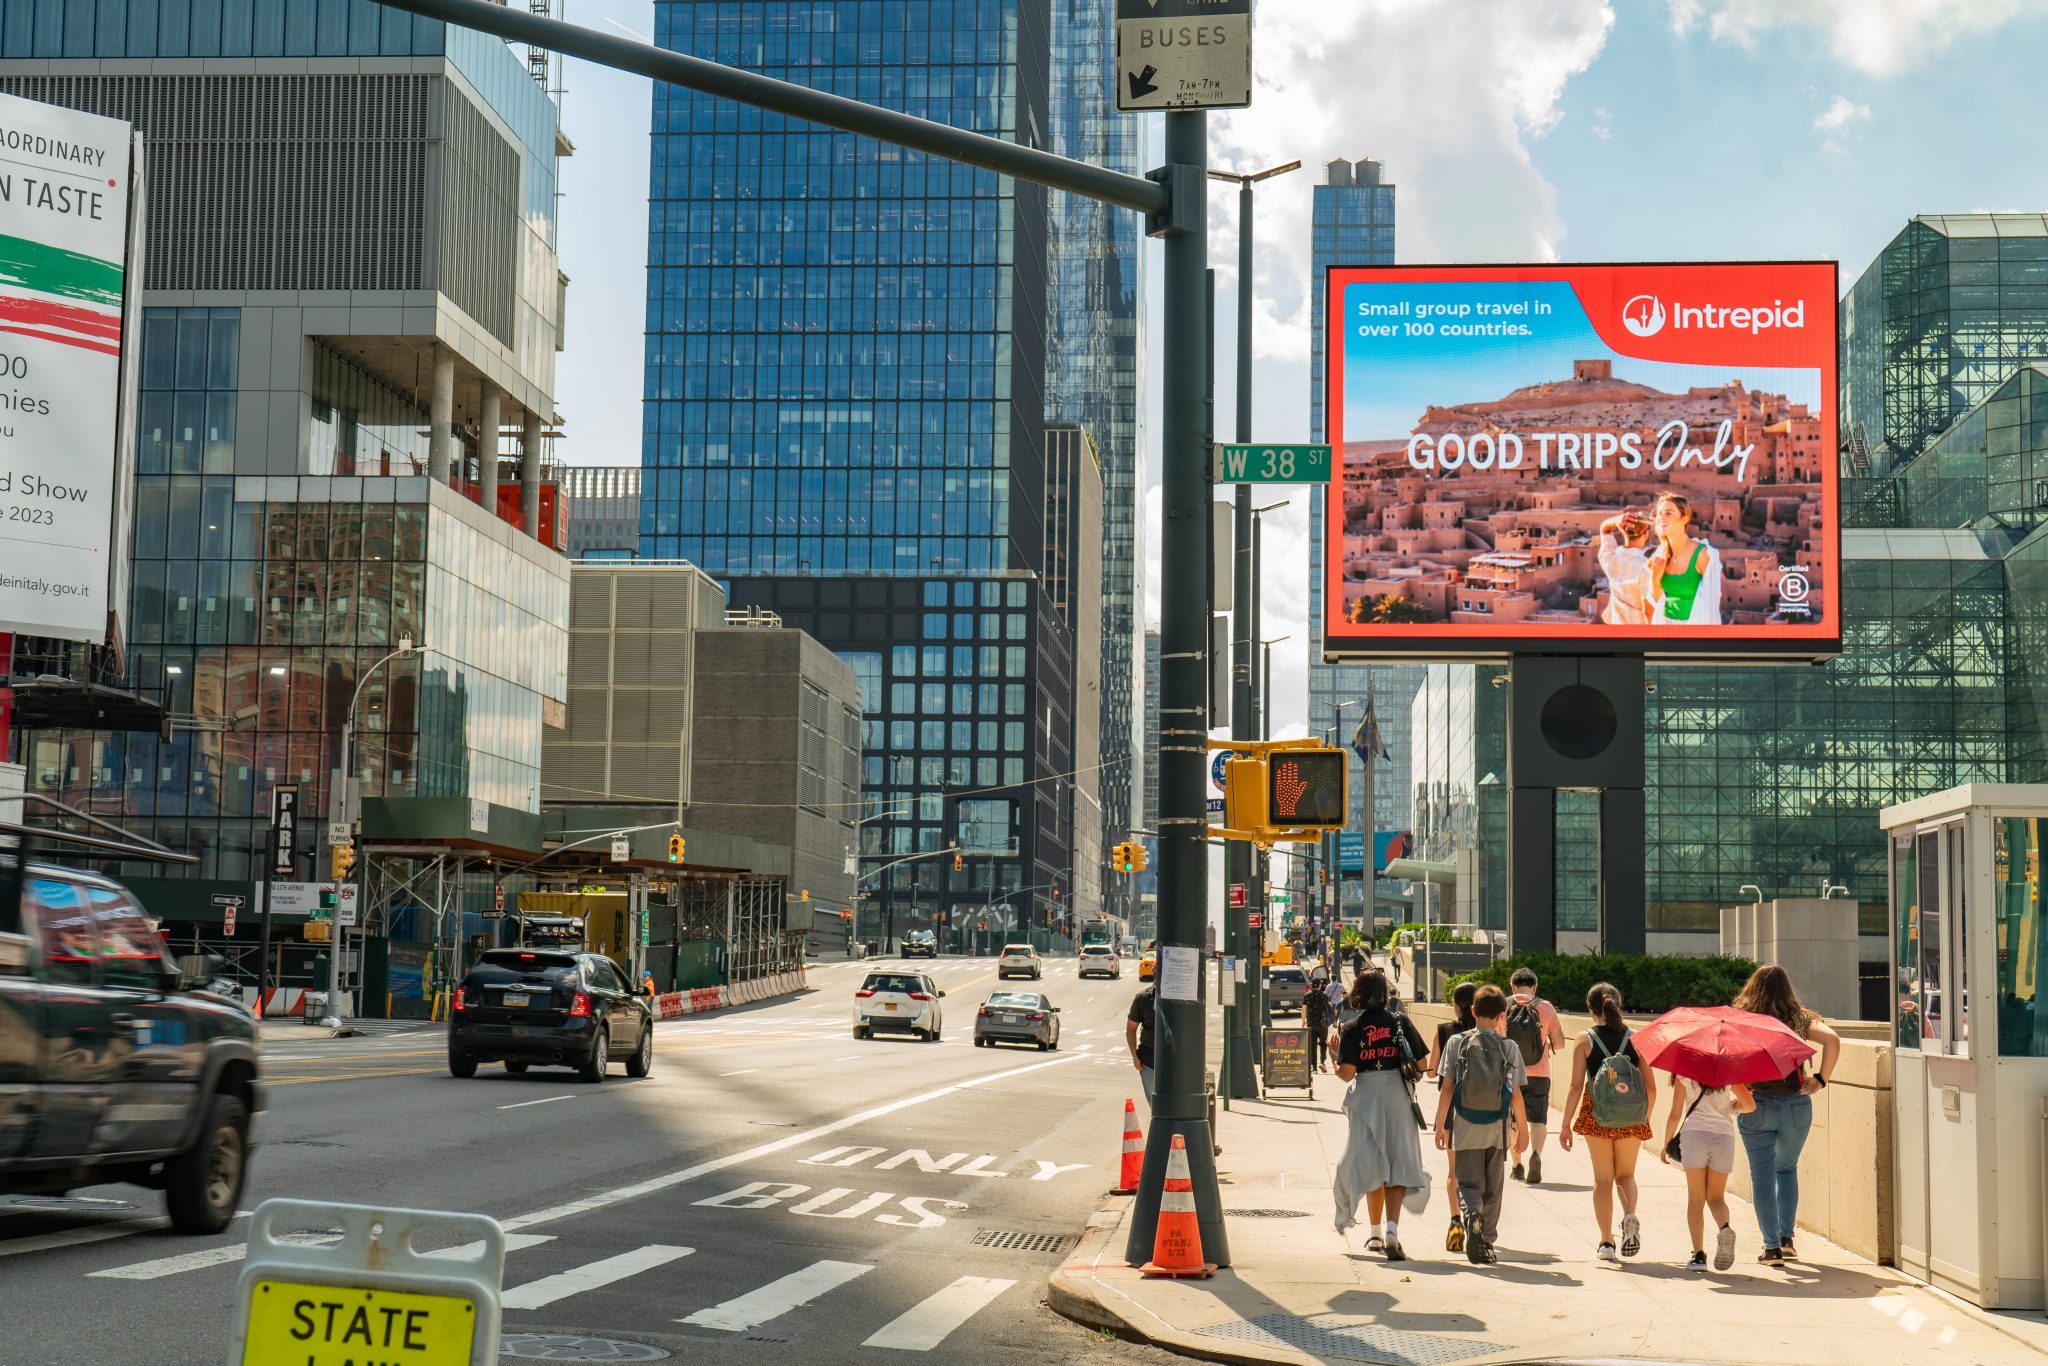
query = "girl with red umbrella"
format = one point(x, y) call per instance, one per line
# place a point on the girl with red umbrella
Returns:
point(1716, 1051)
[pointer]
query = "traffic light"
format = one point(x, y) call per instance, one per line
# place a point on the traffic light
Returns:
point(1307, 788)
point(959, 862)
point(675, 848)
point(342, 858)
point(1122, 859)
point(1140, 858)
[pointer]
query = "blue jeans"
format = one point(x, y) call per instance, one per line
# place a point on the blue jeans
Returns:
point(1773, 1135)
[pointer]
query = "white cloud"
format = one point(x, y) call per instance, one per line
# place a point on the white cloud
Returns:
point(1601, 128)
point(1841, 114)
point(1876, 37)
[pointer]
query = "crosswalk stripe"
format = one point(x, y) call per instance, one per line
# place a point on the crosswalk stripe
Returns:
point(75, 1237)
point(159, 1267)
point(590, 1276)
point(925, 1325)
point(793, 1291)
point(463, 1252)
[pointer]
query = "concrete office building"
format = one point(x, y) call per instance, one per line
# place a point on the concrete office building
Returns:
point(351, 309)
point(1352, 224)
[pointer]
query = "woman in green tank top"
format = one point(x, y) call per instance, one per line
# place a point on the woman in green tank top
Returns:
point(1685, 573)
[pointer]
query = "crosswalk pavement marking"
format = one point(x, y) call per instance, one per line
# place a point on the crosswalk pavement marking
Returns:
point(776, 1298)
point(74, 1237)
point(925, 1325)
point(463, 1252)
point(590, 1276)
point(159, 1267)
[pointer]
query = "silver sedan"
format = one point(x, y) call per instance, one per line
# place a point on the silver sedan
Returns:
point(1017, 1017)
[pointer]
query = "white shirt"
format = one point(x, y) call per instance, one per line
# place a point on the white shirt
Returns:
point(1628, 582)
point(1714, 1114)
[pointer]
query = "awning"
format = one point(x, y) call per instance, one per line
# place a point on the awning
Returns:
point(1422, 870)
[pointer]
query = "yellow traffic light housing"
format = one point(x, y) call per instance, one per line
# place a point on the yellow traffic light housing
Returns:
point(675, 848)
point(1282, 791)
point(1140, 858)
point(342, 857)
point(959, 862)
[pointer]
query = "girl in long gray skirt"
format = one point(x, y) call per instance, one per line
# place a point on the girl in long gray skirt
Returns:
point(1382, 1162)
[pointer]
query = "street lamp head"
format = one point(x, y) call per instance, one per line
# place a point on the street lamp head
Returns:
point(1272, 507)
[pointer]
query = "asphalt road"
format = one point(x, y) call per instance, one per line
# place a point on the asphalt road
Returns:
point(776, 1187)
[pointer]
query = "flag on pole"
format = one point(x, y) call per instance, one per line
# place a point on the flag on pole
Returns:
point(1365, 741)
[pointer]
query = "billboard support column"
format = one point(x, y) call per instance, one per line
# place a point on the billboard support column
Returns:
point(1622, 821)
point(1532, 870)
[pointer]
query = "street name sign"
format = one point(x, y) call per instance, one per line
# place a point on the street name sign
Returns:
point(1183, 54)
point(1270, 464)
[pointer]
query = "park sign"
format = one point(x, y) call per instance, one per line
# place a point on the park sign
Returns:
point(1183, 54)
point(64, 303)
point(1268, 464)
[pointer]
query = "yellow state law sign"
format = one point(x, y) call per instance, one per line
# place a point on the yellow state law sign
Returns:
point(368, 1289)
point(293, 1323)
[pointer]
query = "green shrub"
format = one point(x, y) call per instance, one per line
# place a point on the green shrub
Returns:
point(1440, 934)
point(1648, 985)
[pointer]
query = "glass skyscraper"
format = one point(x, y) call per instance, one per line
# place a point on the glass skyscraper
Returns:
point(1352, 225)
point(852, 354)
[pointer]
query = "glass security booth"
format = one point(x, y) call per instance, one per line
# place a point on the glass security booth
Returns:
point(1970, 1036)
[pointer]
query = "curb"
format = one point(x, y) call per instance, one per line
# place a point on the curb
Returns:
point(1074, 1291)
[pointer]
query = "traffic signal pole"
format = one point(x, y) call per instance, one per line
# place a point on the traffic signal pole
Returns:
point(1173, 198)
point(1241, 1020)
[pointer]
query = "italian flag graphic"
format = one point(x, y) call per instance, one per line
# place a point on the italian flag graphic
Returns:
point(60, 295)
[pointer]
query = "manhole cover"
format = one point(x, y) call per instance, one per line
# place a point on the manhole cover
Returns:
point(569, 1347)
point(1023, 1242)
point(1337, 1339)
point(1266, 1213)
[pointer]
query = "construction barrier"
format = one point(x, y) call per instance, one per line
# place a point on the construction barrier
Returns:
point(280, 1002)
point(676, 1004)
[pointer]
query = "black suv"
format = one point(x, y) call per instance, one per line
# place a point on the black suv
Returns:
point(114, 1065)
point(524, 1006)
point(917, 942)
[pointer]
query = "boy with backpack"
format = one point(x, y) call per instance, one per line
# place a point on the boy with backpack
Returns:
point(1483, 1078)
point(1534, 1030)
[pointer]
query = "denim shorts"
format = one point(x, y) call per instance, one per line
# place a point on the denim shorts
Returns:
point(1710, 1148)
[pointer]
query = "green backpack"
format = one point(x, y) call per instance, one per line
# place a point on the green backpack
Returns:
point(1617, 1095)
point(1485, 1072)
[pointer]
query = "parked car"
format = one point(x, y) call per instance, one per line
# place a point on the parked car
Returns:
point(545, 1006)
point(918, 943)
point(1100, 960)
point(1017, 1017)
point(1286, 989)
point(1019, 960)
point(898, 1002)
point(1148, 964)
point(118, 1065)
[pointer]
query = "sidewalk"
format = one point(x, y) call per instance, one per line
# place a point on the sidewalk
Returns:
point(1298, 1291)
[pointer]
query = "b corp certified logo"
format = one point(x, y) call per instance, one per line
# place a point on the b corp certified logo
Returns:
point(1793, 585)
point(1643, 315)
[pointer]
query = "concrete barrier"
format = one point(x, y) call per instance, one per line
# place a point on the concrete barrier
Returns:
point(669, 1006)
point(1845, 1171)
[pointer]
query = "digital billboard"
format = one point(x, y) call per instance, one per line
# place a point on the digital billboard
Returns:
point(1631, 459)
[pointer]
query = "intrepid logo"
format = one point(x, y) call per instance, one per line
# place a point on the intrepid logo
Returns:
point(1645, 316)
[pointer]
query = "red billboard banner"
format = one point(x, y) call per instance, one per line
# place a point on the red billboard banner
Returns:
point(1624, 459)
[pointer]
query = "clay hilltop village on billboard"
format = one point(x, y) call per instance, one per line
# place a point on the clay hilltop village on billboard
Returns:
point(1532, 453)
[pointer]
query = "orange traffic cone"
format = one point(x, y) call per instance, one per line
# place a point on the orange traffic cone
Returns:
point(1177, 1244)
point(1134, 1152)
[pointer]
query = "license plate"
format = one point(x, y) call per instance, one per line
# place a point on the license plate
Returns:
point(1007, 1019)
point(515, 998)
point(326, 1325)
point(889, 1006)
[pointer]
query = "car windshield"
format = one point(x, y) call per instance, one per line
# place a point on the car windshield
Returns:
point(892, 982)
point(1023, 999)
point(1017, 948)
point(1291, 975)
point(514, 965)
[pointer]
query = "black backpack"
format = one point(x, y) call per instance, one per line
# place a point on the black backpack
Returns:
point(1525, 1028)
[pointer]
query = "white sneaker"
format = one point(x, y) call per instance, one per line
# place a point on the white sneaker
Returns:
point(1631, 1235)
point(1724, 1248)
point(1607, 1253)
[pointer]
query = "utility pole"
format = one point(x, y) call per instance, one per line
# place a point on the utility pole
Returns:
point(1173, 199)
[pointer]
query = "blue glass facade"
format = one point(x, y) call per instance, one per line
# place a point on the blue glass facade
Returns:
point(1352, 224)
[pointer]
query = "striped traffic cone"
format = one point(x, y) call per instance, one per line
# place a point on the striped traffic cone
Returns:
point(1134, 1152)
point(1177, 1243)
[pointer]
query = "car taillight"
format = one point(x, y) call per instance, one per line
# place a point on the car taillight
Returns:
point(581, 1008)
point(919, 996)
point(460, 1004)
point(1036, 1017)
point(862, 994)
point(983, 1014)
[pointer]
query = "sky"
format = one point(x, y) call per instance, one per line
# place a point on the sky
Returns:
point(1515, 130)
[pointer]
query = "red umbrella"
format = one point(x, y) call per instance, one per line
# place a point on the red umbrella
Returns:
point(1720, 1045)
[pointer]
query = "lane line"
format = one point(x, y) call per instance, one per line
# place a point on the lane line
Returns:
point(777, 1298)
point(741, 1073)
point(606, 1199)
point(925, 1325)
point(591, 1276)
point(74, 1237)
point(544, 1100)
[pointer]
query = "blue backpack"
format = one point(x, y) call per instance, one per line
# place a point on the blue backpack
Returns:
point(1616, 1095)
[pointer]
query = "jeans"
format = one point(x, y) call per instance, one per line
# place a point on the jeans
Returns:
point(1773, 1135)
point(1147, 1076)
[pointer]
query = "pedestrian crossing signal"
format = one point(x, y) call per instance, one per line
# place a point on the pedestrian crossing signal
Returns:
point(1306, 788)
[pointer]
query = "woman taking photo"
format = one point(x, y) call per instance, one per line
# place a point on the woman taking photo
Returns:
point(1382, 1161)
point(1774, 1133)
point(1684, 573)
point(1615, 1144)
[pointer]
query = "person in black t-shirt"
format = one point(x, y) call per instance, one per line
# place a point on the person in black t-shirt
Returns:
point(1382, 1161)
point(1138, 1035)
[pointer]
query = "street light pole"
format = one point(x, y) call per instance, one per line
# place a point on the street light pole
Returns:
point(338, 937)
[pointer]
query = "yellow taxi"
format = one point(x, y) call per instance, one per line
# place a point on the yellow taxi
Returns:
point(1146, 964)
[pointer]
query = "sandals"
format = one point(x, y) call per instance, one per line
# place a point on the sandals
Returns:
point(1375, 1244)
